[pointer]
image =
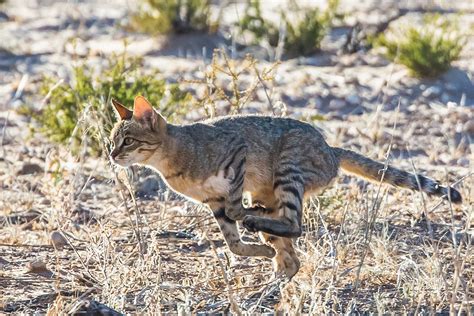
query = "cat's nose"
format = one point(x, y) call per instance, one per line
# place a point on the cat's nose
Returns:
point(113, 155)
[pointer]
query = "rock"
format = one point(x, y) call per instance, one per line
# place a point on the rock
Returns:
point(460, 79)
point(364, 77)
point(3, 17)
point(3, 263)
point(58, 240)
point(30, 168)
point(432, 92)
point(462, 102)
point(463, 162)
point(336, 104)
point(92, 307)
point(353, 99)
point(451, 87)
point(468, 127)
point(319, 60)
point(39, 267)
point(445, 98)
point(36, 266)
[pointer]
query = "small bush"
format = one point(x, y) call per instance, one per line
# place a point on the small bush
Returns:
point(260, 29)
point(303, 30)
point(427, 50)
point(122, 79)
point(173, 16)
point(226, 85)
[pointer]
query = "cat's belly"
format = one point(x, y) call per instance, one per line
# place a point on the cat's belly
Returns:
point(258, 187)
point(200, 190)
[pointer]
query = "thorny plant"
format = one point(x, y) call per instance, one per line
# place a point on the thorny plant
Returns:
point(225, 88)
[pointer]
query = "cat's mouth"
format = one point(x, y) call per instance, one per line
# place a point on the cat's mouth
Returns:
point(116, 160)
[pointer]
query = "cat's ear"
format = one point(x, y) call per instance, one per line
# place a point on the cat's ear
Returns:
point(122, 112)
point(144, 113)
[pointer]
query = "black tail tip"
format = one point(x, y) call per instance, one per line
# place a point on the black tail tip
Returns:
point(453, 195)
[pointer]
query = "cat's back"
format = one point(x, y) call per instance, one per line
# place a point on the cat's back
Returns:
point(268, 125)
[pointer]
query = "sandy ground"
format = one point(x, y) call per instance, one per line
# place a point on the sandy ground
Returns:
point(364, 249)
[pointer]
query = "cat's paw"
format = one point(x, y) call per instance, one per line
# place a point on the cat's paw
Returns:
point(250, 223)
point(268, 251)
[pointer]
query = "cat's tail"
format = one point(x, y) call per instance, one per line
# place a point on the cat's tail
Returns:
point(372, 170)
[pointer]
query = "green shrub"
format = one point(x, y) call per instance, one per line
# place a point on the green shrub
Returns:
point(427, 50)
point(303, 36)
point(173, 16)
point(90, 92)
point(253, 22)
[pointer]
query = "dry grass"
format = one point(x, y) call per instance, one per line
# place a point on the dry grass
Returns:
point(74, 238)
point(364, 249)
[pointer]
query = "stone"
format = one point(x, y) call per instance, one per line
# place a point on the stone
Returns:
point(451, 87)
point(432, 92)
point(30, 168)
point(445, 98)
point(336, 104)
point(451, 105)
point(58, 240)
point(468, 127)
point(460, 79)
point(463, 162)
point(3, 17)
point(353, 99)
point(39, 267)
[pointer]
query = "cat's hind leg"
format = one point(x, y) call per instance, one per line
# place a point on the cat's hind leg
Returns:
point(285, 262)
point(231, 235)
point(288, 188)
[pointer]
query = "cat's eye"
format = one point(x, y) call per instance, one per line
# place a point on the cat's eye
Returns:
point(128, 141)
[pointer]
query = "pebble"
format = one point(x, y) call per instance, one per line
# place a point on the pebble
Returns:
point(336, 104)
point(462, 81)
point(58, 240)
point(445, 98)
point(451, 87)
point(463, 162)
point(353, 99)
point(30, 168)
point(37, 266)
point(469, 127)
point(432, 92)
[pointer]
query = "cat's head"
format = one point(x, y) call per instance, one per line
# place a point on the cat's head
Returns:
point(138, 134)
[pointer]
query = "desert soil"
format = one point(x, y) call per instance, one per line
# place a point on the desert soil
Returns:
point(74, 239)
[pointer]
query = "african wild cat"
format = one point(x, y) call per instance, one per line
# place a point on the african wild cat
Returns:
point(278, 161)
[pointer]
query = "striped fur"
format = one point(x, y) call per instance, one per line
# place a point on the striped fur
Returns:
point(355, 163)
point(276, 162)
